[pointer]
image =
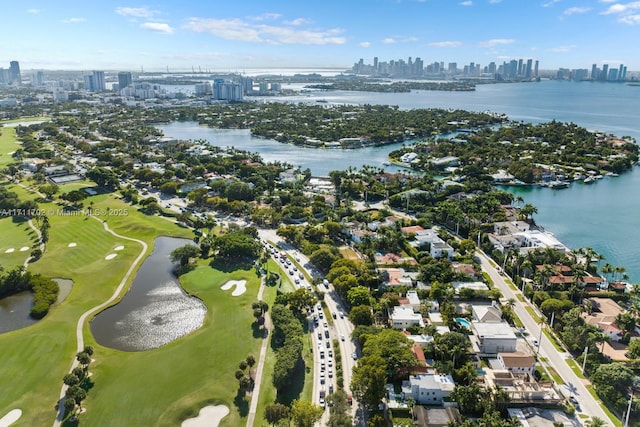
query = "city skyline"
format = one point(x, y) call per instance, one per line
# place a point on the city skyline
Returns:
point(114, 35)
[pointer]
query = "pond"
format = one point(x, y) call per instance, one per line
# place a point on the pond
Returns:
point(155, 311)
point(14, 309)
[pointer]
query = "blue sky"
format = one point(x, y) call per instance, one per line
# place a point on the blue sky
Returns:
point(234, 35)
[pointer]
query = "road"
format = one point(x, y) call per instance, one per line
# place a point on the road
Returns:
point(338, 327)
point(588, 405)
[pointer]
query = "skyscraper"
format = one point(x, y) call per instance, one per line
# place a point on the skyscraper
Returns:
point(99, 83)
point(594, 72)
point(14, 73)
point(124, 79)
point(605, 72)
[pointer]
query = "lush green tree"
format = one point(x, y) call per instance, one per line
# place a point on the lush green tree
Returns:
point(49, 190)
point(358, 295)
point(275, 412)
point(633, 349)
point(612, 381)
point(339, 409)
point(305, 413)
point(184, 253)
point(451, 346)
point(301, 299)
point(322, 259)
point(469, 398)
point(361, 315)
point(369, 380)
point(237, 245)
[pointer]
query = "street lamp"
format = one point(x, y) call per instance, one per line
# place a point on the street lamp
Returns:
point(584, 362)
point(626, 418)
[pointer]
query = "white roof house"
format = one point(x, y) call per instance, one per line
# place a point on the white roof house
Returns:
point(490, 338)
point(429, 388)
point(404, 317)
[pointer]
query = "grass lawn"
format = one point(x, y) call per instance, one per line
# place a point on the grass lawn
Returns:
point(169, 384)
point(575, 368)
point(42, 353)
point(614, 420)
point(533, 314)
point(8, 144)
point(348, 253)
point(554, 341)
point(16, 234)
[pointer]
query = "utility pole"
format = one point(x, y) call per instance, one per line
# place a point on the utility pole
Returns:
point(626, 418)
point(584, 362)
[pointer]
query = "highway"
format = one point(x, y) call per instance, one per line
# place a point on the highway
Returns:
point(554, 359)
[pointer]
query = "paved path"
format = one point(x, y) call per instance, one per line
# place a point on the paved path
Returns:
point(263, 355)
point(555, 359)
point(91, 311)
point(34, 228)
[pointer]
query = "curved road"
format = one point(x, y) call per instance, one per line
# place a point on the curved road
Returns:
point(86, 314)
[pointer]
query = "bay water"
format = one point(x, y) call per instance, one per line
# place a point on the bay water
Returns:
point(604, 216)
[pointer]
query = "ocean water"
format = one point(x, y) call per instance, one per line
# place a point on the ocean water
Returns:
point(604, 216)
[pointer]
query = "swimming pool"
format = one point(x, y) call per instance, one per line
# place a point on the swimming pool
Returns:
point(463, 322)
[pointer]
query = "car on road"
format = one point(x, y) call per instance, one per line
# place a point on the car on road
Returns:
point(354, 355)
point(574, 402)
point(341, 337)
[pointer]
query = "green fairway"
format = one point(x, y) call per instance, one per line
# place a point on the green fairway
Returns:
point(166, 385)
point(40, 355)
point(16, 235)
point(8, 144)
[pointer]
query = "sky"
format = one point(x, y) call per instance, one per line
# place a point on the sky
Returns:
point(240, 34)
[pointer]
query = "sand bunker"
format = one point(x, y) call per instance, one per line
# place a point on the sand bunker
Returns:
point(110, 256)
point(208, 416)
point(8, 251)
point(24, 248)
point(13, 415)
point(72, 245)
point(118, 248)
point(240, 285)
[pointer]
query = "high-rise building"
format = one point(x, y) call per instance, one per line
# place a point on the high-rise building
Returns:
point(529, 69)
point(620, 72)
point(99, 83)
point(605, 72)
point(520, 68)
point(535, 69)
point(88, 83)
point(124, 79)
point(37, 79)
point(594, 72)
point(14, 73)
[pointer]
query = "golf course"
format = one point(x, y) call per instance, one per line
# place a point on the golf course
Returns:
point(163, 386)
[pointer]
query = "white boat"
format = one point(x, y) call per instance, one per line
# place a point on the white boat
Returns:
point(589, 180)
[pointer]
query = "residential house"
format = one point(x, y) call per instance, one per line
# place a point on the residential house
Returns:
point(486, 313)
point(517, 362)
point(428, 388)
point(491, 338)
point(404, 317)
point(441, 250)
point(397, 277)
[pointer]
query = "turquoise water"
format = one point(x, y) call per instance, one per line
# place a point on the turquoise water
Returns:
point(463, 322)
point(604, 216)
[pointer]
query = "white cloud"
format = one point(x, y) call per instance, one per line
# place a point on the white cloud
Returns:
point(265, 17)
point(630, 19)
point(466, 3)
point(495, 42)
point(550, 3)
point(73, 20)
point(241, 30)
point(298, 21)
point(494, 1)
point(449, 43)
point(34, 11)
point(365, 44)
point(389, 40)
point(562, 49)
point(622, 8)
point(159, 27)
point(575, 10)
point(139, 12)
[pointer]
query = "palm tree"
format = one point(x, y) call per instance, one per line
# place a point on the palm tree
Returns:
point(595, 422)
